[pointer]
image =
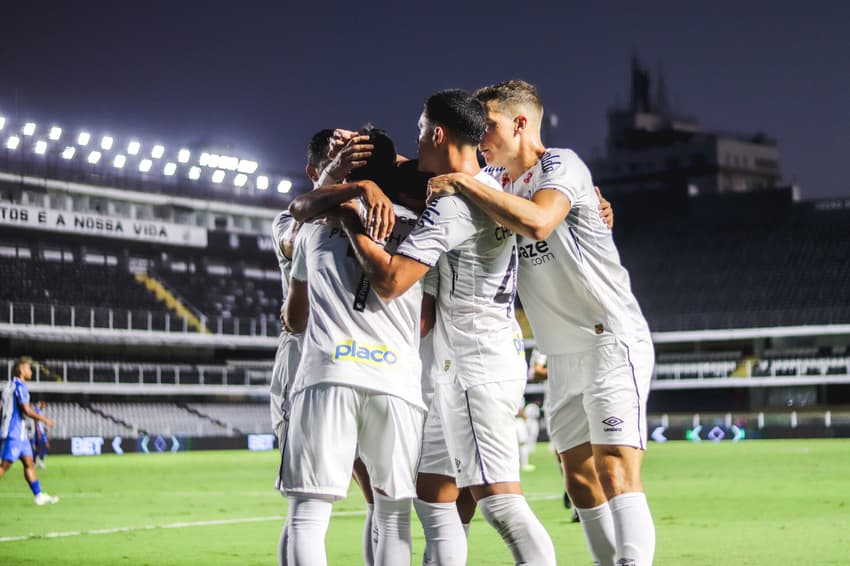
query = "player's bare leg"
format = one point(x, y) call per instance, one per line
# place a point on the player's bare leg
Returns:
point(619, 474)
point(466, 507)
point(436, 506)
point(588, 498)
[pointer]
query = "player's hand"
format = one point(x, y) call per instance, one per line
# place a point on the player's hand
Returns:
point(49, 422)
point(443, 185)
point(606, 212)
point(380, 216)
point(338, 140)
point(352, 155)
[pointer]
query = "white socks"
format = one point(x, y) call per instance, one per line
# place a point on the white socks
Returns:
point(516, 523)
point(445, 536)
point(308, 523)
point(368, 546)
point(598, 526)
point(635, 531)
point(393, 518)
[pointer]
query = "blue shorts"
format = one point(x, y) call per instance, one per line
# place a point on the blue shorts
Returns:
point(14, 450)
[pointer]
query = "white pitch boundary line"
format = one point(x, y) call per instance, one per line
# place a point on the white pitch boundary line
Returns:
point(184, 525)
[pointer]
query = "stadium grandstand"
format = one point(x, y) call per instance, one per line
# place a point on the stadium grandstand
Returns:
point(142, 281)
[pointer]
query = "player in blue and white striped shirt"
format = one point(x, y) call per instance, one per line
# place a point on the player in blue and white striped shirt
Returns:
point(13, 430)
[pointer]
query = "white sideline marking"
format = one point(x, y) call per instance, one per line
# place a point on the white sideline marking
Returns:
point(184, 525)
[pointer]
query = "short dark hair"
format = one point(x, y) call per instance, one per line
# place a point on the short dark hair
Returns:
point(412, 185)
point(317, 150)
point(459, 112)
point(380, 167)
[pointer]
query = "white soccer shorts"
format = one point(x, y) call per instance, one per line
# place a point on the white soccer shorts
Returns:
point(285, 367)
point(599, 396)
point(329, 422)
point(480, 427)
point(435, 453)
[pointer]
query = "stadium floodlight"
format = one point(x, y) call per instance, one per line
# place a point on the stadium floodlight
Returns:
point(246, 166)
point(29, 128)
point(183, 155)
point(284, 186)
point(157, 151)
point(69, 152)
point(13, 142)
point(2, 122)
point(240, 180)
point(204, 159)
point(262, 182)
point(55, 133)
point(94, 157)
point(195, 173)
point(83, 138)
point(145, 165)
point(170, 169)
point(231, 163)
point(213, 159)
point(133, 147)
point(106, 143)
point(119, 161)
point(218, 176)
point(40, 147)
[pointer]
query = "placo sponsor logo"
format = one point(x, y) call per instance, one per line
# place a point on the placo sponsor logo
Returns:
point(353, 351)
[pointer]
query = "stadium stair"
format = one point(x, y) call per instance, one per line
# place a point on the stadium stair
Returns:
point(110, 417)
point(744, 367)
point(209, 418)
point(165, 296)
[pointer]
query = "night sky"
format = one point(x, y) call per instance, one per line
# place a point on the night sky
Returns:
point(262, 76)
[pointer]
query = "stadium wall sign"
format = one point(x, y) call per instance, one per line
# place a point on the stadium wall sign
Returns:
point(103, 225)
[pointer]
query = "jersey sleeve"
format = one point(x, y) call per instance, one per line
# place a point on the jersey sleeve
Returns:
point(443, 226)
point(22, 394)
point(563, 171)
point(299, 253)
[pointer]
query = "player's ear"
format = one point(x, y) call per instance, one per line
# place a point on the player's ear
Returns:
point(312, 173)
point(520, 123)
point(439, 135)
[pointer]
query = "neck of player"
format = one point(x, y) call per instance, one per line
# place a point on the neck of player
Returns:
point(460, 159)
point(530, 152)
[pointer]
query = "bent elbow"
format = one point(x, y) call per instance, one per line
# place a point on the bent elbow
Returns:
point(298, 211)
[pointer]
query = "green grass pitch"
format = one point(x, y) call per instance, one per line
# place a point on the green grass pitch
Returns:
point(758, 502)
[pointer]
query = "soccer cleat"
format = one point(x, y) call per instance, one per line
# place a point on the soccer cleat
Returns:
point(43, 499)
point(40, 464)
point(575, 518)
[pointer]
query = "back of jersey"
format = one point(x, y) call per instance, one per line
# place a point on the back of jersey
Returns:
point(13, 426)
point(353, 336)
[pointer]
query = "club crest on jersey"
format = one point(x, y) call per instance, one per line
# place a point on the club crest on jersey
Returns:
point(351, 351)
point(528, 177)
point(505, 179)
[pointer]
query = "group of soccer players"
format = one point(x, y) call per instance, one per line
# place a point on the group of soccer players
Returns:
point(402, 353)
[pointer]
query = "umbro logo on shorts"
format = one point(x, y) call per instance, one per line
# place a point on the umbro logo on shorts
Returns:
point(351, 351)
point(613, 424)
point(458, 465)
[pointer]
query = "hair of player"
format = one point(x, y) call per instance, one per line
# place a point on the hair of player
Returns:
point(412, 185)
point(317, 149)
point(23, 360)
point(459, 112)
point(380, 166)
point(511, 96)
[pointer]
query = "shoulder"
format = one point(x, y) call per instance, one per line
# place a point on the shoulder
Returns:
point(281, 222)
point(562, 161)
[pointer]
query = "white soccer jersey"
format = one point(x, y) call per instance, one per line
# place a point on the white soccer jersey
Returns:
point(354, 337)
point(572, 285)
point(282, 227)
point(476, 335)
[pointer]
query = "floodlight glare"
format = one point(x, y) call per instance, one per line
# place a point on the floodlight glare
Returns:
point(246, 166)
point(195, 173)
point(145, 165)
point(213, 159)
point(170, 169)
point(13, 142)
point(29, 129)
point(229, 163)
point(183, 155)
point(157, 151)
point(83, 138)
point(69, 152)
point(133, 147)
point(2, 122)
point(41, 147)
point(218, 176)
point(240, 180)
point(55, 133)
point(106, 143)
point(284, 186)
point(204, 159)
point(119, 161)
point(262, 182)
point(94, 157)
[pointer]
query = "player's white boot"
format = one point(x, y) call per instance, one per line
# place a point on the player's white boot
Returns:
point(40, 464)
point(43, 499)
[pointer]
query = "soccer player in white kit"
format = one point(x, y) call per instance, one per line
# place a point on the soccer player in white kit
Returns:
point(578, 299)
point(477, 342)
